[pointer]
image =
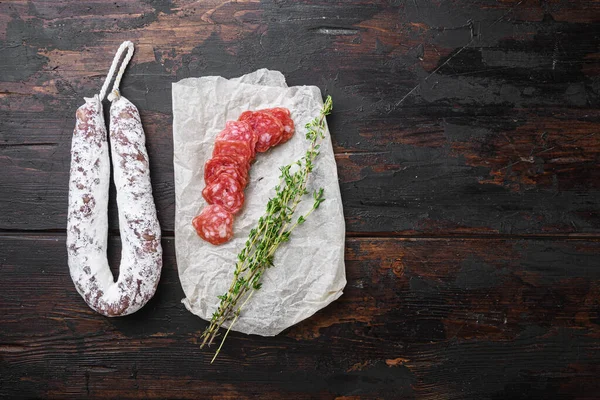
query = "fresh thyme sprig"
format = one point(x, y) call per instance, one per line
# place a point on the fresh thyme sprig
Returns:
point(274, 228)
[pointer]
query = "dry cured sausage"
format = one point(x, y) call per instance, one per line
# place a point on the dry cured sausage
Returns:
point(239, 130)
point(284, 116)
point(87, 224)
point(217, 165)
point(225, 191)
point(268, 128)
point(214, 224)
point(237, 149)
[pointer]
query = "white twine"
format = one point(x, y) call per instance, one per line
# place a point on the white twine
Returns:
point(114, 94)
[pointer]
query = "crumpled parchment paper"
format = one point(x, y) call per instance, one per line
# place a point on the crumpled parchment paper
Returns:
point(309, 270)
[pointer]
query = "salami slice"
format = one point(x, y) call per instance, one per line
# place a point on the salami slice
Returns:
point(220, 164)
point(268, 128)
point(225, 191)
point(245, 116)
point(283, 115)
point(237, 149)
point(214, 224)
point(239, 130)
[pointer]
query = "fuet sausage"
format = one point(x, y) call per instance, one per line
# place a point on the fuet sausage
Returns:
point(87, 225)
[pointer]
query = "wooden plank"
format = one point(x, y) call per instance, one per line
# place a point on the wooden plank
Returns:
point(442, 126)
point(35, 185)
point(420, 318)
point(472, 122)
point(445, 182)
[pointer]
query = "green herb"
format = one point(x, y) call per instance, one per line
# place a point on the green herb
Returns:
point(274, 228)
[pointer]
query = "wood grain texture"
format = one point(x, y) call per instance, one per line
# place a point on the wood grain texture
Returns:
point(449, 118)
point(420, 318)
point(466, 137)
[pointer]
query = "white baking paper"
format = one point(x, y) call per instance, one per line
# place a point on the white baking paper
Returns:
point(309, 270)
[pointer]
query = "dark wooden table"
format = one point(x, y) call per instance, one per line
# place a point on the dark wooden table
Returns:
point(466, 137)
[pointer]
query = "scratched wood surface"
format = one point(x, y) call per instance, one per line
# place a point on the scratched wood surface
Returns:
point(466, 136)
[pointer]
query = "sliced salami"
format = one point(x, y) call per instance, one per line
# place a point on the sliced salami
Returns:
point(226, 173)
point(284, 116)
point(245, 116)
point(268, 128)
point(220, 164)
point(239, 130)
point(237, 149)
point(214, 224)
point(225, 191)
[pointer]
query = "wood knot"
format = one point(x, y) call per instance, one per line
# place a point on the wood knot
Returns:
point(398, 267)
